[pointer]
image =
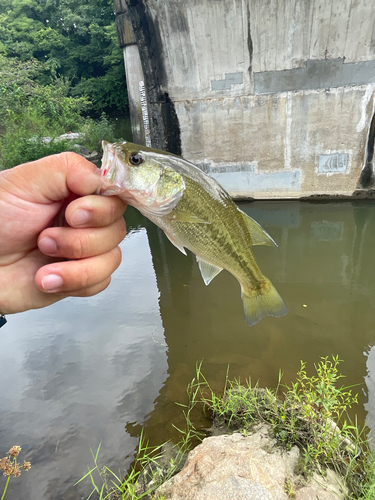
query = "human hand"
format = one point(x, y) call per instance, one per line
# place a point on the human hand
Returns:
point(40, 262)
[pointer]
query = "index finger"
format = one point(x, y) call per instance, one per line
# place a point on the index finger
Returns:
point(52, 178)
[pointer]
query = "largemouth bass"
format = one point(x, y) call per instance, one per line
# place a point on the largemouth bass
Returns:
point(196, 213)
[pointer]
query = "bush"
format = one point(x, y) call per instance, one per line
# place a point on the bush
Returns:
point(97, 131)
point(17, 148)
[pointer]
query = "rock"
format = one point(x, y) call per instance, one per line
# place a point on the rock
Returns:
point(330, 487)
point(237, 467)
point(84, 151)
point(233, 467)
point(93, 156)
point(62, 137)
point(71, 136)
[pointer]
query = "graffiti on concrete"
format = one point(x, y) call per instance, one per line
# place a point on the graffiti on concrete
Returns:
point(332, 163)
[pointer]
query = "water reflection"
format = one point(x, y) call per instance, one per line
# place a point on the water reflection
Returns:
point(95, 370)
point(74, 374)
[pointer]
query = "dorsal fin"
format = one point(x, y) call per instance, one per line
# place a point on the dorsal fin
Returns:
point(258, 235)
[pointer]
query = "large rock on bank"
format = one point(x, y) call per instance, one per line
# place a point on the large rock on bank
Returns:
point(237, 467)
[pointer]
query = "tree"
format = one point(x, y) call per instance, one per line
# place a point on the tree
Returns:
point(72, 39)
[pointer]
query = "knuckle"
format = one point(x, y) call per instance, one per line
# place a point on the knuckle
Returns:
point(81, 246)
point(85, 276)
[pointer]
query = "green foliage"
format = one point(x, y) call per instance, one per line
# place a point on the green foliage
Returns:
point(73, 40)
point(299, 418)
point(30, 111)
point(20, 147)
point(59, 61)
point(96, 131)
point(318, 395)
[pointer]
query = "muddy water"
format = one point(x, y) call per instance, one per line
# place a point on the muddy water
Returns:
point(90, 371)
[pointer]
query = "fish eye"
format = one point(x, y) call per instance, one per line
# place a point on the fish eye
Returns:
point(135, 159)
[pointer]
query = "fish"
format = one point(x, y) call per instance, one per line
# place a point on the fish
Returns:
point(195, 213)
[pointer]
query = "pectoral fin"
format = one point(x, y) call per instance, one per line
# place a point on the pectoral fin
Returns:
point(208, 271)
point(258, 235)
point(182, 216)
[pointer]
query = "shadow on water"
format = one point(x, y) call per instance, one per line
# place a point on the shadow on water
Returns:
point(96, 370)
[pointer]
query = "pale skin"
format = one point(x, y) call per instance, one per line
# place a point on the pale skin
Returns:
point(44, 257)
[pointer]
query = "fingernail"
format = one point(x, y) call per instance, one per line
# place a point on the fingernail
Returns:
point(48, 246)
point(80, 217)
point(51, 282)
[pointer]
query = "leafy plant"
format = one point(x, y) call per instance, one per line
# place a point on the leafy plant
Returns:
point(96, 131)
point(71, 40)
point(296, 416)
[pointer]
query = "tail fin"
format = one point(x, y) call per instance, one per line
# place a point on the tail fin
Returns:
point(268, 303)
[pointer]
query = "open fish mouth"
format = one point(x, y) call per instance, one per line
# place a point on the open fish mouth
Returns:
point(112, 170)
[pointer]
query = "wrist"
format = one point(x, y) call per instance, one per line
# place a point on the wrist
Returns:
point(2, 320)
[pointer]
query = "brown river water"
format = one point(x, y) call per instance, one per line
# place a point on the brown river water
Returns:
point(98, 370)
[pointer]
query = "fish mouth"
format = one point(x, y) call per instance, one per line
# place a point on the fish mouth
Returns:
point(112, 170)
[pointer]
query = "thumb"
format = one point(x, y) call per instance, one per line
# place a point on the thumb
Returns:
point(52, 178)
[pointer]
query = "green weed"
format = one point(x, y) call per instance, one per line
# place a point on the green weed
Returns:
point(18, 147)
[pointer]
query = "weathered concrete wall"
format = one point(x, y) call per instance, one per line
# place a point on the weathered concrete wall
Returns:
point(274, 99)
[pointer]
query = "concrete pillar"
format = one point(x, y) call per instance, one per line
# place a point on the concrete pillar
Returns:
point(137, 95)
point(274, 99)
point(135, 25)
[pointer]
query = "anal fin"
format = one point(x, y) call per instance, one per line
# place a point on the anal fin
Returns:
point(208, 271)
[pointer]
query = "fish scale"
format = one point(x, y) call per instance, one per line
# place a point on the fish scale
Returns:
point(223, 246)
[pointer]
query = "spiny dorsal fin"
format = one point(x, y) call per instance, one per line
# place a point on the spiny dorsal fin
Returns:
point(208, 271)
point(258, 235)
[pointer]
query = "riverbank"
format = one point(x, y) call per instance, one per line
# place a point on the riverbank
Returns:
point(294, 441)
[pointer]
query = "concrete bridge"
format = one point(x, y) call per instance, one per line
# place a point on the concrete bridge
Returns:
point(275, 99)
